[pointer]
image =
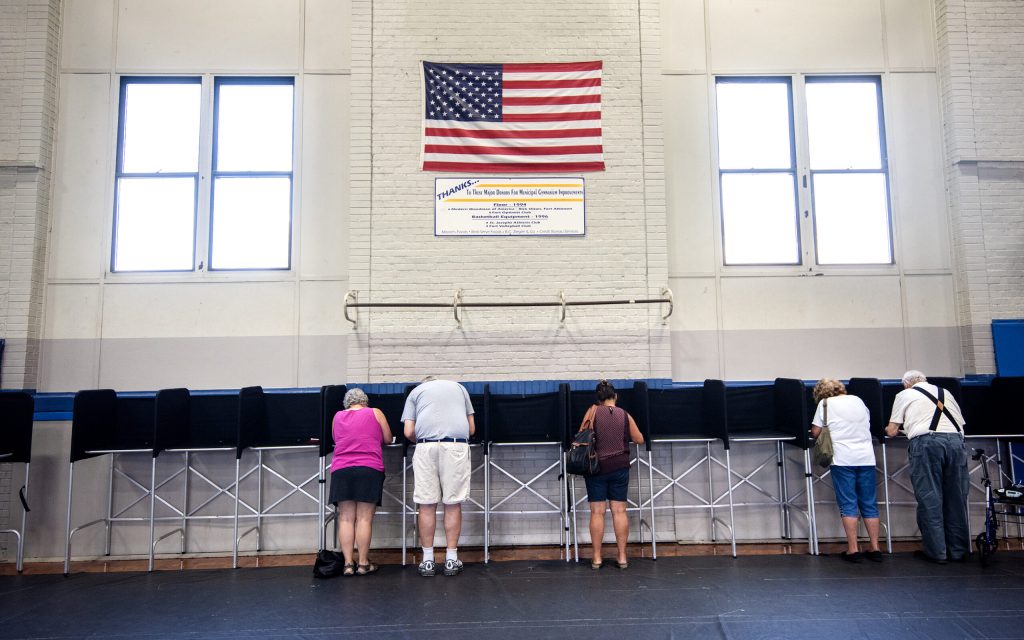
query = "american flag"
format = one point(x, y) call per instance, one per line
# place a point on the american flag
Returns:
point(512, 118)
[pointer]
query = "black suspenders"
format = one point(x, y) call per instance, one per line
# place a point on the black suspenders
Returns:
point(940, 408)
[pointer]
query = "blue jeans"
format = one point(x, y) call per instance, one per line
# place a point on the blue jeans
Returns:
point(855, 488)
point(938, 471)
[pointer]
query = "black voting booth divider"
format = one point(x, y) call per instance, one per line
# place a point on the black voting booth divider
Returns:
point(689, 416)
point(634, 401)
point(16, 408)
point(104, 423)
point(775, 414)
point(991, 413)
point(192, 425)
point(331, 401)
point(869, 390)
point(179, 421)
point(537, 420)
point(392, 406)
point(281, 422)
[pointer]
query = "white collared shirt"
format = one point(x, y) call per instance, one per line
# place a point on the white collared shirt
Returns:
point(914, 411)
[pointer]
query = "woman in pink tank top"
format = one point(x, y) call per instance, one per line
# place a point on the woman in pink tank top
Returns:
point(357, 476)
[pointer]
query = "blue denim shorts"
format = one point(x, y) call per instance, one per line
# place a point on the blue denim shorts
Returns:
point(855, 488)
point(613, 485)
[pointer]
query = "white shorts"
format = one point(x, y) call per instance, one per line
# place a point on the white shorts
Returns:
point(441, 469)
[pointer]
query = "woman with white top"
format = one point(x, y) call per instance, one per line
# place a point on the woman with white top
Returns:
point(853, 462)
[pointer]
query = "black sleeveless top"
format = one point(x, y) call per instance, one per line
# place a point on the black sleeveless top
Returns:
point(611, 425)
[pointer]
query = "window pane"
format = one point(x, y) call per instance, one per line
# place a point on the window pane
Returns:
point(155, 224)
point(754, 125)
point(851, 218)
point(251, 223)
point(254, 127)
point(759, 218)
point(161, 128)
point(842, 124)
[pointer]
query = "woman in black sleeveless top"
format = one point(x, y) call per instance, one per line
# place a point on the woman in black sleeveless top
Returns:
point(613, 430)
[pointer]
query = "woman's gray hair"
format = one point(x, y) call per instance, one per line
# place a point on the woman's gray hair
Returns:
point(356, 396)
point(912, 377)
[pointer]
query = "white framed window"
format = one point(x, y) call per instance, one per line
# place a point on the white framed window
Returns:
point(826, 158)
point(203, 187)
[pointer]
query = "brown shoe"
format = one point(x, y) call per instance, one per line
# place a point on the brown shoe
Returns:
point(366, 569)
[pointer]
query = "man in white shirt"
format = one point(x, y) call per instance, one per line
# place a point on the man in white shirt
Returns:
point(438, 417)
point(931, 419)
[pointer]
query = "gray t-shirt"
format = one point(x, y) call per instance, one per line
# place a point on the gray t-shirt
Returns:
point(439, 408)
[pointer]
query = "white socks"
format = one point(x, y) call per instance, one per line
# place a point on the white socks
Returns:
point(451, 554)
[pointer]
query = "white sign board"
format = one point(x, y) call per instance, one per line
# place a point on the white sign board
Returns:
point(516, 206)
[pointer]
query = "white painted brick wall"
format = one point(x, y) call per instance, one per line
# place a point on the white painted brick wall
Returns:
point(395, 256)
point(28, 99)
point(981, 75)
point(28, 94)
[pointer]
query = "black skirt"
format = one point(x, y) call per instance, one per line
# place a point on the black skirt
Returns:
point(361, 484)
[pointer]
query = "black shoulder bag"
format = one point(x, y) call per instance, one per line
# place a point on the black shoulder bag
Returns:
point(582, 459)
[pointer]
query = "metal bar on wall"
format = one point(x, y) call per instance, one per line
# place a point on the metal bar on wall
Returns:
point(351, 301)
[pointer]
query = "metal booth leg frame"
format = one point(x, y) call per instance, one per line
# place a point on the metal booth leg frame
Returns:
point(556, 509)
point(19, 534)
point(781, 500)
point(111, 517)
point(885, 495)
point(650, 486)
point(812, 532)
point(263, 512)
point(639, 508)
point(320, 512)
point(487, 502)
point(710, 503)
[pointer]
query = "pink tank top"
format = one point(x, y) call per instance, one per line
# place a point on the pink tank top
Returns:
point(357, 440)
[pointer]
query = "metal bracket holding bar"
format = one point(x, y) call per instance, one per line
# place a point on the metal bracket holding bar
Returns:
point(354, 296)
point(455, 307)
point(352, 301)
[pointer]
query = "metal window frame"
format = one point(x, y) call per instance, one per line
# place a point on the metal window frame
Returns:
point(120, 174)
point(203, 197)
point(791, 170)
point(883, 170)
point(215, 173)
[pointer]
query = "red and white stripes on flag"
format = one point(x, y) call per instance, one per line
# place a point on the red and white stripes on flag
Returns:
point(512, 118)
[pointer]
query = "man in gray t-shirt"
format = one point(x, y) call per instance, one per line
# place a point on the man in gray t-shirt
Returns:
point(438, 417)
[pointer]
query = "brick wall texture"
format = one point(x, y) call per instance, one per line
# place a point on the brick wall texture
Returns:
point(981, 75)
point(395, 256)
point(29, 45)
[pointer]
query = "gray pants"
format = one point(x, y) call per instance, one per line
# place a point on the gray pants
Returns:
point(938, 471)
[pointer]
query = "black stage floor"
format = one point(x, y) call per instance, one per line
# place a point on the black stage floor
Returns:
point(689, 597)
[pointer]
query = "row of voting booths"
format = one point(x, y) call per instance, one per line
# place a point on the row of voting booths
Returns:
point(193, 431)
